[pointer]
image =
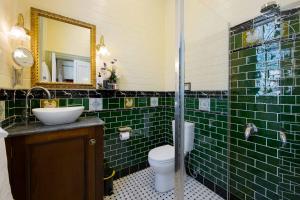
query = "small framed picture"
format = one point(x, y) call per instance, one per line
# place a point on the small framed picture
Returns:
point(188, 86)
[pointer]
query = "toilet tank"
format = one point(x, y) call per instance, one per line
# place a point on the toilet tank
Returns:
point(189, 135)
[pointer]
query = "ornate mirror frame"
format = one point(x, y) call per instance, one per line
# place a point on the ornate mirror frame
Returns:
point(35, 71)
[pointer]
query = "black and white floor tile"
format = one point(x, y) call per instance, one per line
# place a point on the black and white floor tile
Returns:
point(140, 186)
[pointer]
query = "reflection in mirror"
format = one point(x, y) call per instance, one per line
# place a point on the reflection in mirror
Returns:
point(65, 52)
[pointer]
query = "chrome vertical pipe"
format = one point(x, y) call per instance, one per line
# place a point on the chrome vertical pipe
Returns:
point(179, 101)
point(229, 112)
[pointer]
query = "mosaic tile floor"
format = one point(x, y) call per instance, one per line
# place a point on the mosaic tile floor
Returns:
point(140, 186)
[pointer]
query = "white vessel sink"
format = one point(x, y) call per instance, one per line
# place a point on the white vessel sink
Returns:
point(55, 116)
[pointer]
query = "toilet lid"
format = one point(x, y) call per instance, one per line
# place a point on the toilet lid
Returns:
point(162, 154)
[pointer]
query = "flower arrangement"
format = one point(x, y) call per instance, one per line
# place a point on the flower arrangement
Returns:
point(112, 74)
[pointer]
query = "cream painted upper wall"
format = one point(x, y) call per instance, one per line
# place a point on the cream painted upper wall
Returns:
point(133, 30)
point(207, 38)
point(8, 18)
point(140, 34)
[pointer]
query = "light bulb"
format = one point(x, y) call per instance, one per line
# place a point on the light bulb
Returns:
point(18, 33)
point(103, 51)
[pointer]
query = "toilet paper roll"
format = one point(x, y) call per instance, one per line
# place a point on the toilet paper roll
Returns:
point(124, 135)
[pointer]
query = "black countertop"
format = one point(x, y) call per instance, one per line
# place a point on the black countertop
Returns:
point(38, 127)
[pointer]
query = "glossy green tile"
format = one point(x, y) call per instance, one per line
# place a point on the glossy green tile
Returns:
point(105, 103)
point(253, 91)
point(234, 55)
point(296, 109)
point(63, 102)
point(247, 68)
point(275, 108)
point(252, 59)
point(267, 150)
point(234, 70)
point(266, 116)
point(246, 99)
point(267, 99)
point(35, 103)
point(85, 103)
point(274, 126)
point(246, 83)
point(287, 118)
point(241, 106)
point(256, 155)
point(287, 99)
point(237, 62)
point(75, 102)
point(254, 170)
point(246, 114)
point(238, 91)
point(266, 184)
point(236, 77)
point(20, 103)
point(247, 52)
point(256, 107)
point(238, 41)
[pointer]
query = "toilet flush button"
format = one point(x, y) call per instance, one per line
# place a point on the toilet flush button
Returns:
point(204, 104)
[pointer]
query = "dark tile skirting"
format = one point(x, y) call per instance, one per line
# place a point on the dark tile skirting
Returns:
point(39, 94)
point(131, 170)
point(214, 187)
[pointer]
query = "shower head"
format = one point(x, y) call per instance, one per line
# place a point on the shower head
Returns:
point(270, 9)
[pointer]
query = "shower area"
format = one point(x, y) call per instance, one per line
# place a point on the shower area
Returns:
point(244, 98)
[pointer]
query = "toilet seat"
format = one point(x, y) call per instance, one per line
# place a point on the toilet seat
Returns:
point(162, 154)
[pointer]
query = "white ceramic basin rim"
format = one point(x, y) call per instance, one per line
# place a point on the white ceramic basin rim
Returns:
point(55, 116)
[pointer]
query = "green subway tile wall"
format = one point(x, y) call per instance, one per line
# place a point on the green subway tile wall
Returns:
point(148, 124)
point(209, 156)
point(152, 128)
point(264, 91)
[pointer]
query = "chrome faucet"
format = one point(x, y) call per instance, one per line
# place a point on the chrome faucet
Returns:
point(250, 129)
point(27, 97)
point(283, 137)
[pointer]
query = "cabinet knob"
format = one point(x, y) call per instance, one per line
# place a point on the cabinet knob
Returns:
point(92, 142)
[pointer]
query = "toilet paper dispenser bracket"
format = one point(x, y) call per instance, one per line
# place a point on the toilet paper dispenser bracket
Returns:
point(125, 129)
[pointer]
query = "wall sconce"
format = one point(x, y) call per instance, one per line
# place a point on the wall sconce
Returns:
point(19, 32)
point(101, 48)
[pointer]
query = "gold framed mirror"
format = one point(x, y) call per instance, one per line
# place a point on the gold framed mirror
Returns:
point(64, 51)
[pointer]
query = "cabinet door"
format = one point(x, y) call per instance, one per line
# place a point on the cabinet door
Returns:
point(61, 165)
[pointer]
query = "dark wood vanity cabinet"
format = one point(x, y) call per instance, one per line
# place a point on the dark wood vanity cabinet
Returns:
point(61, 165)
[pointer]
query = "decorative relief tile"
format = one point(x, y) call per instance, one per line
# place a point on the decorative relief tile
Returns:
point(204, 104)
point(129, 102)
point(49, 103)
point(95, 104)
point(154, 101)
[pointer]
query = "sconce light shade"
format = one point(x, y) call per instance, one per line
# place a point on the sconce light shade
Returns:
point(19, 32)
point(101, 48)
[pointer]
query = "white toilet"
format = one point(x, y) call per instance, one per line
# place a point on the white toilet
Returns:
point(162, 159)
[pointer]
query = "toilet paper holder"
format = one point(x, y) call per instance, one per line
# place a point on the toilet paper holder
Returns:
point(125, 133)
